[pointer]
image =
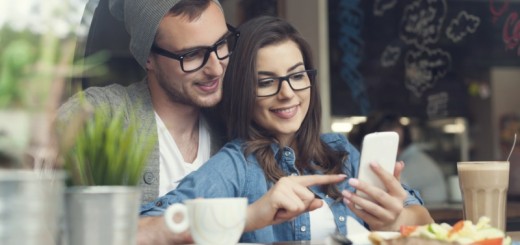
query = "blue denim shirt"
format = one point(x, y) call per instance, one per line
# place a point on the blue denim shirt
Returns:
point(231, 174)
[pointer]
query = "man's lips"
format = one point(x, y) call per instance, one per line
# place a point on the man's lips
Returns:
point(210, 86)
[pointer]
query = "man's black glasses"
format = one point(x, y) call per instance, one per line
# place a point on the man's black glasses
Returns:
point(195, 59)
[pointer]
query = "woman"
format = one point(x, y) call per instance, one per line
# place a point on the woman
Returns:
point(271, 108)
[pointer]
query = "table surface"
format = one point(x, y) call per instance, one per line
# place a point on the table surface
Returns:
point(452, 212)
point(515, 236)
point(449, 213)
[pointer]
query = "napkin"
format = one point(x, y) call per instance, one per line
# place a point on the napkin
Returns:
point(358, 234)
point(355, 228)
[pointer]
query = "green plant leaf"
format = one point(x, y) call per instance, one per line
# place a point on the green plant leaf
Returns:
point(109, 150)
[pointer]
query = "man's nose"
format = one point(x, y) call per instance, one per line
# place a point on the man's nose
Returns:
point(214, 65)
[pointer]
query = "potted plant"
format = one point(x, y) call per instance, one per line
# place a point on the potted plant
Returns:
point(104, 160)
point(35, 59)
point(28, 78)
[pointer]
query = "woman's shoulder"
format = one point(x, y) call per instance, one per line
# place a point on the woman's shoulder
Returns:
point(233, 148)
point(334, 139)
point(338, 142)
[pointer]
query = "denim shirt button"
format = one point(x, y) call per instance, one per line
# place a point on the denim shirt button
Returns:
point(148, 178)
point(158, 204)
point(341, 218)
point(303, 228)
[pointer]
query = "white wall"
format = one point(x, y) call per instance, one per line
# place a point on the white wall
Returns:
point(310, 17)
point(505, 98)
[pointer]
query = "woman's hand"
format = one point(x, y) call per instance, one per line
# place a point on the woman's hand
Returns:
point(287, 199)
point(385, 212)
point(153, 231)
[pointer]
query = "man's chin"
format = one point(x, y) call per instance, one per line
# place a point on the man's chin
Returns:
point(207, 103)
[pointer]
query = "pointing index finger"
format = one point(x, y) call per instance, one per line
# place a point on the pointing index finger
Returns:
point(310, 180)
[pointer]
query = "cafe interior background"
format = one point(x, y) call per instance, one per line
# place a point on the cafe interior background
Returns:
point(450, 68)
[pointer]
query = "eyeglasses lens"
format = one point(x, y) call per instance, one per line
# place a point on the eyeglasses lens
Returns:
point(297, 81)
point(197, 58)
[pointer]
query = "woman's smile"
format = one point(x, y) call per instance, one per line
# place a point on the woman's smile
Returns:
point(286, 112)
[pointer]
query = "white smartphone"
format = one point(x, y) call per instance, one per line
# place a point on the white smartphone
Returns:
point(381, 148)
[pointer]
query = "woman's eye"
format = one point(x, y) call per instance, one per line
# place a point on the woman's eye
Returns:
point(299, 76)
point(265, 83)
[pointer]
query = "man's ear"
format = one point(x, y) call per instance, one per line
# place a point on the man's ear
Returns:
point(149, 63)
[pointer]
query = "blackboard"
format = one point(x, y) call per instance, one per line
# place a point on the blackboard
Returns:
point(422, 58)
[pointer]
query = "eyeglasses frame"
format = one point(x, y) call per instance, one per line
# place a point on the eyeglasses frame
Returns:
point(180, 57)
point(311, 73)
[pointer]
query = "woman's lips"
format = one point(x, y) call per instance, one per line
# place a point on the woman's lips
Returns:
point(286, 113)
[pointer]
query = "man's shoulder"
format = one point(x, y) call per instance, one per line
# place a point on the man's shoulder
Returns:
point(112, 97)
point(115, 91)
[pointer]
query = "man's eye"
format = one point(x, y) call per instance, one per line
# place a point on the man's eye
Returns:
point(221, 43)
point(264, 83)
point(195, 54)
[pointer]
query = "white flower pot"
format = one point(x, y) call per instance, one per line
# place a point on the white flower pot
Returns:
point(31, 207)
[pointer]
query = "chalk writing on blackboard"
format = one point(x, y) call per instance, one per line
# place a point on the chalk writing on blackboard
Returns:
point(390, 56)
point(420, 29)
point(422, 22)
point(350, 42)
point(423, 68)
point(437, 105)
point(511, 28)
point(381, 6)
point(498, 10)
point(461, 26)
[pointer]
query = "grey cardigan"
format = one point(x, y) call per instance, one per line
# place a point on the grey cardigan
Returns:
point(136, 99)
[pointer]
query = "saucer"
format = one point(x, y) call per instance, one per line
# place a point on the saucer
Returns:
point(362, 239)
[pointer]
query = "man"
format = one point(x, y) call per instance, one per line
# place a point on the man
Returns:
point(184, 47)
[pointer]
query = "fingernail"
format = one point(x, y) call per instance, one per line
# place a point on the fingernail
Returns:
point(346, 193)
point(346, 201)
point(353, 182)
point(342, 175)
point(374, 165)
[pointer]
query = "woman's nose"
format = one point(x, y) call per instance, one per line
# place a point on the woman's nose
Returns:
point(285, 89)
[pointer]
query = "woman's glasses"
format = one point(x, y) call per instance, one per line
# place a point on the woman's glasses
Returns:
point(297, 81)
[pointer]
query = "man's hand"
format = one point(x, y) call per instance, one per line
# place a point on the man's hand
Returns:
point(153, 231)
point(287, 199)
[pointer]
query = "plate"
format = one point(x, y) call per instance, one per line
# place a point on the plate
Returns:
point(362, 239)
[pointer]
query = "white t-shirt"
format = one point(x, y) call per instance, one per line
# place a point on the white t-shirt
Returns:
point(322, 223)
point(172, 167)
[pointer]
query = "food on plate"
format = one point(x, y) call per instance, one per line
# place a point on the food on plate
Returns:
point(463, 232)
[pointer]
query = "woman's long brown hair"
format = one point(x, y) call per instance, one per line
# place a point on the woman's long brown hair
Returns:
point(239, 96)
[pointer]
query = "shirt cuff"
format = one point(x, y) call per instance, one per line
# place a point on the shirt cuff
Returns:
point(413, 197)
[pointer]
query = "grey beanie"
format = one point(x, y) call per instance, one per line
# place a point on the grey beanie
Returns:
point(142, 18)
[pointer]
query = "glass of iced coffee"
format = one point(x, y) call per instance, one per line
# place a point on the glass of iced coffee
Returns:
point(484, 190)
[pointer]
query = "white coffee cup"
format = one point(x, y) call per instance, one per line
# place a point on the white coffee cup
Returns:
point(216, 221)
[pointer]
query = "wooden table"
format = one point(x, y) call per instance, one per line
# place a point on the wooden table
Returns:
point(515, 235)
point(452, 212)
